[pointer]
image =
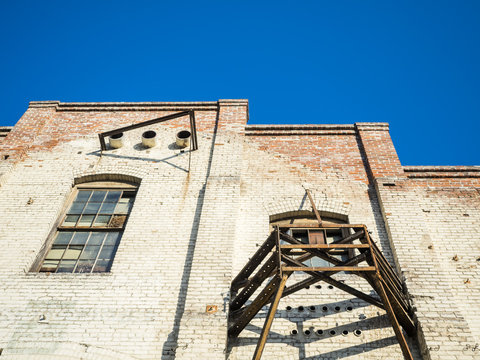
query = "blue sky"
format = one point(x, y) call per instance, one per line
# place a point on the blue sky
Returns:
point(414, 64)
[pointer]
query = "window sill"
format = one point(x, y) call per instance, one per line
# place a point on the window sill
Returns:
point(46, 274)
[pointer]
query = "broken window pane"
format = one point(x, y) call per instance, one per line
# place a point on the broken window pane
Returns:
point(301, 236)
point(333, 235)
point(84, 266)
point(117, 221)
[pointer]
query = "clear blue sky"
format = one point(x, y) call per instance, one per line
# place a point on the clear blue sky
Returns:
point(414, 64)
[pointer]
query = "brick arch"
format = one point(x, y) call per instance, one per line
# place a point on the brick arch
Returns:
point(296, 206)
point(119, 173)
point(107, 177)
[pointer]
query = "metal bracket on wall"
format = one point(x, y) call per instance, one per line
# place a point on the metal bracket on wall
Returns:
point(190, 113)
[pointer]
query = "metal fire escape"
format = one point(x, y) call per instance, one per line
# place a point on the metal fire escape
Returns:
point(289, 255)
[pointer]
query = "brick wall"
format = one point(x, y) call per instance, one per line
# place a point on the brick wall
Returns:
point(199, 217)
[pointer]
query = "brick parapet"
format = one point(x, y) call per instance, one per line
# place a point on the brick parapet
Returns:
point(426, 172)
point(380, 155)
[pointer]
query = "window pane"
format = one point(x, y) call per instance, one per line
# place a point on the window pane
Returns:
point(49, 266)
point(317, 262)
point(308, 262)
point(83, 195)
point(70, 220)
point(102, 220)
point(90, 252)
point(107, 252)
point(66, 266)
point(107, 208)
point(84, 266)
point(72, 253)
point(112, 238)
point(96, 238)
point(113, 196)
point(86, 220)
point(80, 238)
point(101, 266)
point(92, 208)
point(76, 208)
point(63, 238)
point(98, 196)
point(123, 207)
point(55, 253)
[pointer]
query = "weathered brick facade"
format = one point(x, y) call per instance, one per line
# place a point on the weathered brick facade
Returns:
point(199, 216)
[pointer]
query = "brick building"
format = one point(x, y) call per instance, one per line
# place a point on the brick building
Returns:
point(130, 253)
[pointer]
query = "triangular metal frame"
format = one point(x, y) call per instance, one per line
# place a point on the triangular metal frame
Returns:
point(284, 259)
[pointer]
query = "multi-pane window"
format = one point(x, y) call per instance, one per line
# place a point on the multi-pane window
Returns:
point(89, 233)
point(309, 235)
point(323, 236)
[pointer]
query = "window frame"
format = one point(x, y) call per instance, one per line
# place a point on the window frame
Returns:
point(58, 226)
point(303, 218)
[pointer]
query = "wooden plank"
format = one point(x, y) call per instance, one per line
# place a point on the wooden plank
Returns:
point(316, 236)
point(325, 246)
point(315, 252)
point(377, 280)
point(317, 214)
point(350, 238)
point(300, 285)
point(330, 269)
point(269, 320)
point(382, 262)
point(312, 280)
point(400, 312)
point(393, 320)
point(255, 260)
point(255, 282)
point(335, 283)
point(278, 252)
point(251, 310)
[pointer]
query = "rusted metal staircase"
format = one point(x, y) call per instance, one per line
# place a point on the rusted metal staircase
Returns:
point(281, 255)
